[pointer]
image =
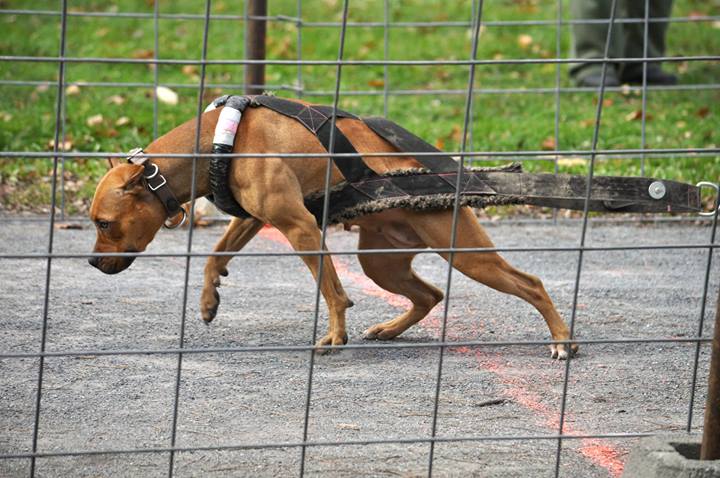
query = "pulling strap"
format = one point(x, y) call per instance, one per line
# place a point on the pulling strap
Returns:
point(434, 187)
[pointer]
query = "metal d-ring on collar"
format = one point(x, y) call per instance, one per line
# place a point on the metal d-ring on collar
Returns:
point(157, 184)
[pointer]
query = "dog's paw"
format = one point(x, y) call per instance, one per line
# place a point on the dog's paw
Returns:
point(209, 306)
point(560, 351)
point(332, 339)
point(380, 332)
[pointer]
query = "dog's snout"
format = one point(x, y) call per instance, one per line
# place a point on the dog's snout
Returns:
point(111, 265)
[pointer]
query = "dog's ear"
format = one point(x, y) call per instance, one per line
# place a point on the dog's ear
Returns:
point(113, 161)
point(132, 177)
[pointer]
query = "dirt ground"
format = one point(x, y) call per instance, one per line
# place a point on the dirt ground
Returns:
point(93, 402)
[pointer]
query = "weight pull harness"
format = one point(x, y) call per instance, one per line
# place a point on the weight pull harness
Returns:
point(433, 186)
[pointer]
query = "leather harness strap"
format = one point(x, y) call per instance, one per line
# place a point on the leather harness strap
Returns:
point(317, 120)
point(156, 182)
point(223, 142)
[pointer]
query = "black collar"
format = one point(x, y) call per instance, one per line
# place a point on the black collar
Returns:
point(157, 184)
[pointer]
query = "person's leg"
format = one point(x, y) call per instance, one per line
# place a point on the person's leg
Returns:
point(588, 41)
point(635, 38)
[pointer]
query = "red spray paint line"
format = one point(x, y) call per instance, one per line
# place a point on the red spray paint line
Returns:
point(596, 451)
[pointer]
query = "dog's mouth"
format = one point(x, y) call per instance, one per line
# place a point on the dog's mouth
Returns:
point(111, 265)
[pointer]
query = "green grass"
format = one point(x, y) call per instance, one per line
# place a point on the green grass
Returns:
point(501, 122)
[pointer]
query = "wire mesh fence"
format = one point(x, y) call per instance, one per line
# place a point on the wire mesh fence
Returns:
point(363, 78)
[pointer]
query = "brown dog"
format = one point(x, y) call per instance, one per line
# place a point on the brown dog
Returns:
point(127, 216)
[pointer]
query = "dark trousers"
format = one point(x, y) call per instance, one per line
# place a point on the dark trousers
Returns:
point(626, 40)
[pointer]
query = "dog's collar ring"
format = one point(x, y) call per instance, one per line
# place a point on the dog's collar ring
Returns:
point(168, 225)
point(154, 173)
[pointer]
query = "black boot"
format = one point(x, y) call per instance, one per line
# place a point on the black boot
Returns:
point(592, 76)
point(633, 74)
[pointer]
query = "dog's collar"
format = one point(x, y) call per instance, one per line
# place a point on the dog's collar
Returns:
point(157, 184)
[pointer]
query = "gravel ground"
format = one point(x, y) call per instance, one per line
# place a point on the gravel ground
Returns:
point(95, 402)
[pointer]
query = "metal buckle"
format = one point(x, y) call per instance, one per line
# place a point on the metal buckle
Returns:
point(708, 184)
point(153, 189)
point(133, 153)
point(182, 221)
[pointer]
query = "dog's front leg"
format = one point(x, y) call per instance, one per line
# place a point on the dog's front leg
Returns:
point(237, 234)
point(300, 229)
point(305, 236)
point(275, 196)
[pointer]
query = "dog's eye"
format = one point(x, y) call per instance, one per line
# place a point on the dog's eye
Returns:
point(103, 224)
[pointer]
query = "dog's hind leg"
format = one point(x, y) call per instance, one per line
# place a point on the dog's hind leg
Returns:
point(238, 233)
point(393, 272)
point(490, 268)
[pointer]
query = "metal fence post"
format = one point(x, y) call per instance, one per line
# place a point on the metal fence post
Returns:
point(710, 449)
point(255, 46)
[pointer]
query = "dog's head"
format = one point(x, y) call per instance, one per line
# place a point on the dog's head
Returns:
point(126, 216)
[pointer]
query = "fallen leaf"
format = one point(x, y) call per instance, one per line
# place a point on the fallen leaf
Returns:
point(94, 120)
point(440, 143)
point(524, 40)
point(681, 125)
point(5, 116)
point(190, 70)
point(637, 115)
point(110, 133)
point(101, 32)
point(682, 67)
point(548, 144)
point(716, 24)
point(166, 95)
point(348, 426)
point(116, 99)
point(606, 102)
point(72, 90)
point(63, 146)
point(122, 121)
point(586, 123)
point(376, 83)
point(143, 54)
point(42, 88)
point(569, 162)
point(703, 112)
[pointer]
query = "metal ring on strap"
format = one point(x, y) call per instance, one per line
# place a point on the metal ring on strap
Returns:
point(714, 186)
point(182, 221)
point(154, 173)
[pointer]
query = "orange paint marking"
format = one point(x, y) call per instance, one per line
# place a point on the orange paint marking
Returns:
point(594, 450)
